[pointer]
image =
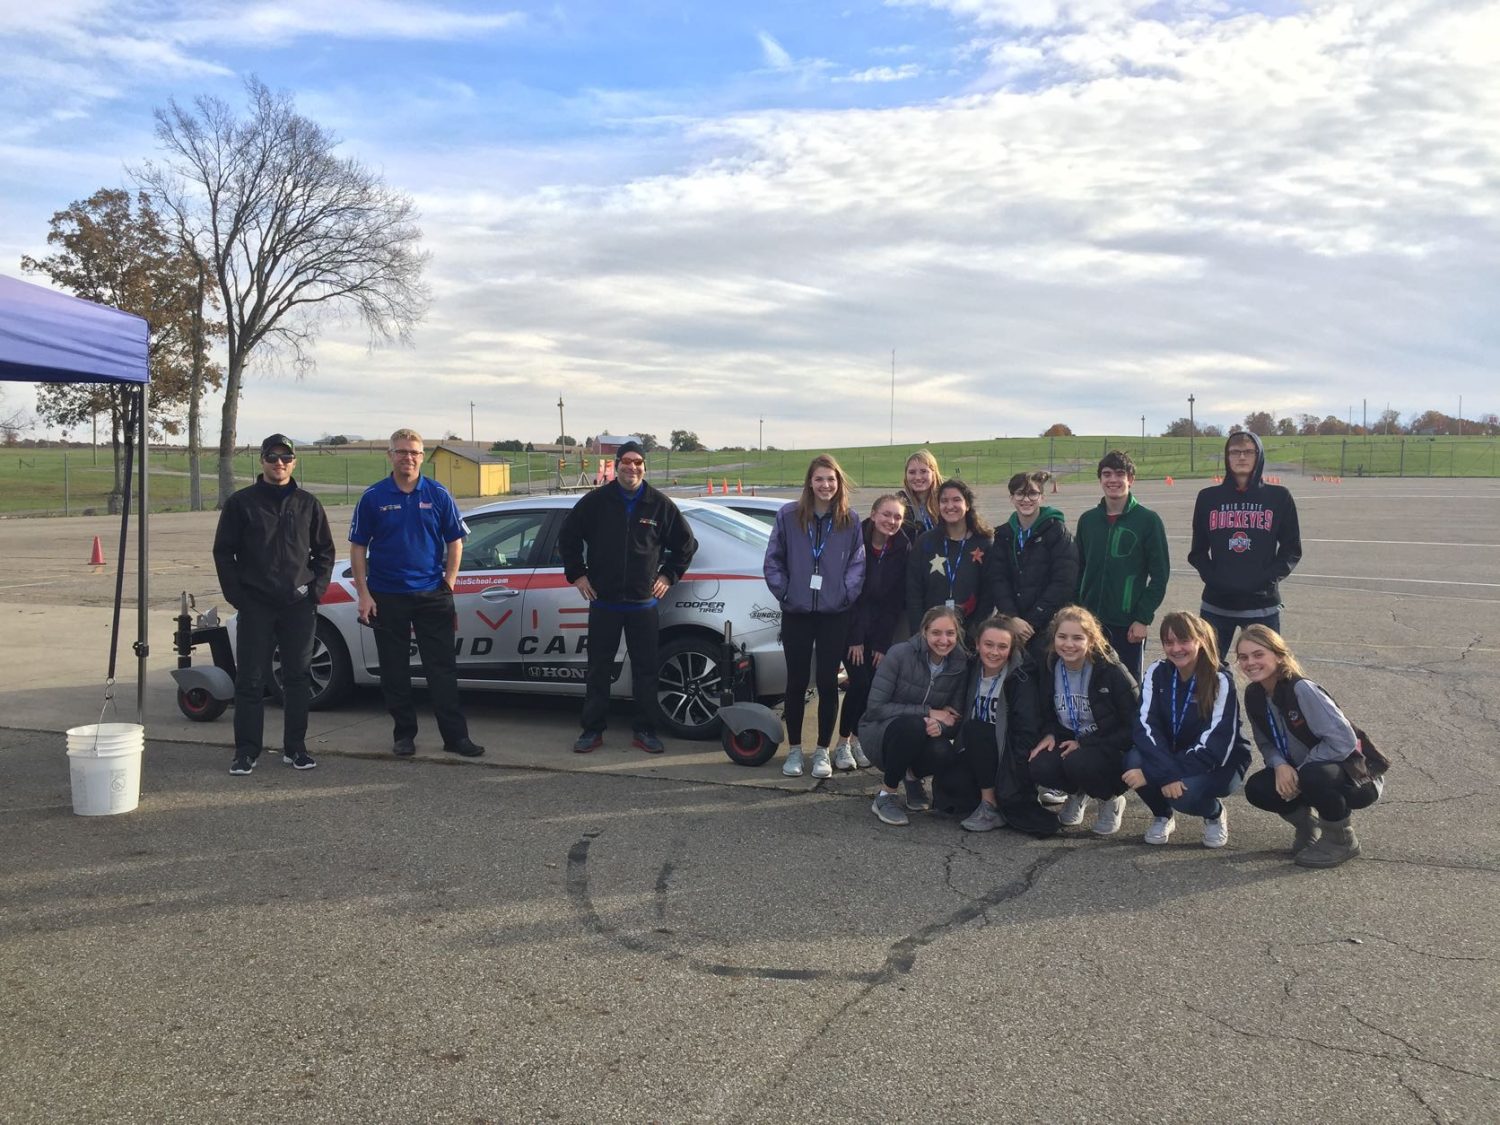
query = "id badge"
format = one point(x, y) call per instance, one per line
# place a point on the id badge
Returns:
point(950, 604)
point(815, 582)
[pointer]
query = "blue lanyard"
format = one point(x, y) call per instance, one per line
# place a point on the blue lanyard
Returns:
point(1068, 698)
point(951, 565)
point(820, 542)
point(1180, 717)
point(927, 524)
point(1278, 735)
point(984, 706)
point(1023, 534)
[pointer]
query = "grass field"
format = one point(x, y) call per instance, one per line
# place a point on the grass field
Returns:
point(57, 482)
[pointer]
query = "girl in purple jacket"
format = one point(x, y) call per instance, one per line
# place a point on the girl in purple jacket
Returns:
point(815, 568)
point(873, 621)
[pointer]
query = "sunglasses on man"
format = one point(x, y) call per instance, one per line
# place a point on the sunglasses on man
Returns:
point(284, 458)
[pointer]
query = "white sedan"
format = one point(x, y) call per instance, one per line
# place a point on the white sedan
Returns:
point(523, 627)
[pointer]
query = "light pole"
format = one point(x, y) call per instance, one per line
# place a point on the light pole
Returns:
point(471, 423)
point(1143, 427)
point(1192, 434)
point(562, 428)
point(762, 440)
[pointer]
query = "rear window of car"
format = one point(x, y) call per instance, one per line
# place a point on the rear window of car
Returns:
point(741, 527)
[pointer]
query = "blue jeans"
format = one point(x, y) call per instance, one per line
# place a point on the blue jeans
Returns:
point(1200, 795)
point(1224, 628)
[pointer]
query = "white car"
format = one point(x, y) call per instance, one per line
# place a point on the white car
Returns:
point(761, 508)
point(523, 627)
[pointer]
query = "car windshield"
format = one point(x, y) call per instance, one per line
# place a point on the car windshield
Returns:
point(732, 523)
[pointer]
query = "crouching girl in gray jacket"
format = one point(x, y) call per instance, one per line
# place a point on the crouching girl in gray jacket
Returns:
point(913, 711)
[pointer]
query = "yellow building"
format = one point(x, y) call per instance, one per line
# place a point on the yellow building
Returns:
point(468, 470)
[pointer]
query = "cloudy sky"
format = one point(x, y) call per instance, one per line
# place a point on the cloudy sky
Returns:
point(694, 215)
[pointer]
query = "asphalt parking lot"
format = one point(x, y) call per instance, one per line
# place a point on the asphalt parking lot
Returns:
point(537, 936)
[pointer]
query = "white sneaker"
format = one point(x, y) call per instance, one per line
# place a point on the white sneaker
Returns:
point(843, 758)
point(1072, 811)
point(859, 753)
point(1161, 830)
point(1050, 796)
point(821, 767)
point(1107, 823)
point(1216, 832)
point(793, 767)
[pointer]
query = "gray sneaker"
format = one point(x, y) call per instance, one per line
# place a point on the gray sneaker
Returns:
point(986, 818)
point(916, 795)
point(888, 808)
point(1107, 822)
point(843, 758)
point(860, 760)
point(1071, 814)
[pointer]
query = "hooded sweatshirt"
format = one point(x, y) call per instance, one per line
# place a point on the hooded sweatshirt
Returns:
point(1032, 573)
point(1123, 566)
point(1244, 540)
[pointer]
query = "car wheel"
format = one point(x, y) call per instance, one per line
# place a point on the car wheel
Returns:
point(329, 670)
point(749, 747)
point(198, 705)
point(688, 687)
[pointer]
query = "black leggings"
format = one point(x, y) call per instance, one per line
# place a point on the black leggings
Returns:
point(856, 695)
point(1091, 769)
point(981, 752)
point(906, 745)
point(801, 633)
point(1324, 785)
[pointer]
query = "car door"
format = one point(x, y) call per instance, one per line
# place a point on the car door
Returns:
point(498, 564)
point(554, 642)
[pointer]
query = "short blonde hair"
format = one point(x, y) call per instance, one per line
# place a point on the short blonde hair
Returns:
point(404, 434)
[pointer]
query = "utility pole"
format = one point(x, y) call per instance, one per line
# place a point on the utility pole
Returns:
point(562, 428)
point(471, 423)
point(1460, 415)
point(1192, 434)
point(893, 396)
point(1143, 427)
point(761, 446)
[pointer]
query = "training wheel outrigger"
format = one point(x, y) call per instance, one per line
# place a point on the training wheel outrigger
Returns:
point(751, 732)
point(202, 693)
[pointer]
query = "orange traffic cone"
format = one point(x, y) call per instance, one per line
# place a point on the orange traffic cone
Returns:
point(739, 487)
point(1169, 482)
point(726, 486)
point(710, 486)
point(97, 557)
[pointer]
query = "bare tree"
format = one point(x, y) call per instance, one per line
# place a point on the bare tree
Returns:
point(11, 423)
point(289, 231)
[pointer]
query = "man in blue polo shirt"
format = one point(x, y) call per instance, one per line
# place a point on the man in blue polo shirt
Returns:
point(407, 541)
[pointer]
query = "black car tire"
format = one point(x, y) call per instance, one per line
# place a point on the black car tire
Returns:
point(330, 671)
point(688, 687)
point(197, 704)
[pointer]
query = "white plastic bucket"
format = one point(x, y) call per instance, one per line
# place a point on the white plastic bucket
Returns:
point(104, 762)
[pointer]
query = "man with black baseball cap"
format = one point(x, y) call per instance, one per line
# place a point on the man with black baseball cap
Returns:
point(274, 555)
point(638, 544)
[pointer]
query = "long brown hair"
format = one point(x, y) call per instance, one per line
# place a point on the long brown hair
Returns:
point(975, 522)
point(1186, 626)
point(839, 508)
point(1270, 640)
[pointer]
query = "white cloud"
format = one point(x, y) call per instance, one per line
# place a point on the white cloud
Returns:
point(776, 56)
point(882, 74)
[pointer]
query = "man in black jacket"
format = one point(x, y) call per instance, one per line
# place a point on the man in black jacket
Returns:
point(638, 544)
point(274, 555)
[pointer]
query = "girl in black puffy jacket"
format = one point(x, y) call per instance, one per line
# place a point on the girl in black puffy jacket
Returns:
point(1032, 570)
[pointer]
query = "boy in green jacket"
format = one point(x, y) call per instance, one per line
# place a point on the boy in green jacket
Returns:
point(1122, 561)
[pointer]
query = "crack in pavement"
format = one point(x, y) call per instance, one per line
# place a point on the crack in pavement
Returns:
point(900, 957)
point(1339, 1048)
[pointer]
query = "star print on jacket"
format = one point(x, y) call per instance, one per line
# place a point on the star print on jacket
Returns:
point(977, 554)
point(939, 562)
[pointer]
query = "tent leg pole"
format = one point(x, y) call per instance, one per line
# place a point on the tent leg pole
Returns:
point(143, 578)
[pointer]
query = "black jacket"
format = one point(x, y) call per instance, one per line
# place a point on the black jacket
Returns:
point(623, 559)
point(1245, 542)
point(881, 601)
point(927, 577)
point(1039, 579)
point(273, 545)
point(1115, 701)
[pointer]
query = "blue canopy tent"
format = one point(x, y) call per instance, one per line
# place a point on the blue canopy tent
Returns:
point(50, 337)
